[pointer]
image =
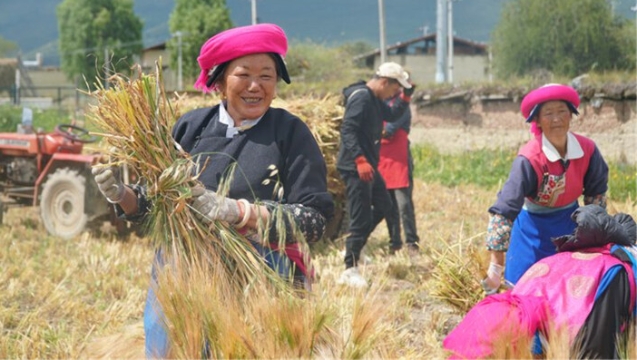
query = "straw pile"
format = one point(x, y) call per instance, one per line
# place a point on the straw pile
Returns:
point(459, 268)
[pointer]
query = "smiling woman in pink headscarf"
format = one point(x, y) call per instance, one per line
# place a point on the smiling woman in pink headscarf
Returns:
point(244, 65)
point(546, 179)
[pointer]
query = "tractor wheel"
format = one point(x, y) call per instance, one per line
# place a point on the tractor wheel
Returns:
point(62, 203)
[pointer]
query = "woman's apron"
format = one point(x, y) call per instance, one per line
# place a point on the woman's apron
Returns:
point(531, 237)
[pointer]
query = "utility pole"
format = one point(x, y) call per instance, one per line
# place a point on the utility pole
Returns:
point(107, 66)
point(441, 41)
point(381, 20)
point(254, 12)
point(180, 82)
point(450, 41)
point(634, 8)
point(16, 99)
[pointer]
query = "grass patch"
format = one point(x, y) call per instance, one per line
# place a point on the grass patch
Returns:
point(490, 169)
point(11, 116)
point(484, 168)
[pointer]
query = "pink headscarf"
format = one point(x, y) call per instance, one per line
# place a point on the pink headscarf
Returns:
point(533, 100)
point(235, 43)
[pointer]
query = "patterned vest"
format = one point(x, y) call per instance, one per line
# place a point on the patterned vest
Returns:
point(558, 184)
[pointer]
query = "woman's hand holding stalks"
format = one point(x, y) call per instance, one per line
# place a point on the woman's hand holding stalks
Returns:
point(208, 206)
point(109, 183)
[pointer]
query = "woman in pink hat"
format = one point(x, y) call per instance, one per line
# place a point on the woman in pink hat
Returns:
point(546, 179)
point(244, 64)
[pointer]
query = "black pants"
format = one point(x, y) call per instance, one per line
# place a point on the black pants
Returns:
point(403, 204)
point(367, 203)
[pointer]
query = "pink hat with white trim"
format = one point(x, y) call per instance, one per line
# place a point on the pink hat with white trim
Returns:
point(531, 103)
point(237, 42)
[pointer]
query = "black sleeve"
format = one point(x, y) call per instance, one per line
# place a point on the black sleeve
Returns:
point(143, 206)
point(294, 218)
point(601, 333)
point(596, 177)
point(522, 182)
point(304, 179)
point(353, 120)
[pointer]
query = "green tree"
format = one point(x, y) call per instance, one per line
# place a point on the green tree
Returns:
point(565, 37)
point(7, 47)
point(90, 28)
point(197, 21)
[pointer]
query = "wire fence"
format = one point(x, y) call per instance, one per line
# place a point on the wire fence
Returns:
point(45, 97)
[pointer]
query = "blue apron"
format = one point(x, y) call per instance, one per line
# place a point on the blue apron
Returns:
point(531, 238)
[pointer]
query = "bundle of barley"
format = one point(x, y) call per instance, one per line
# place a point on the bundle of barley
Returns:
point(456, 278)
point(135, 118)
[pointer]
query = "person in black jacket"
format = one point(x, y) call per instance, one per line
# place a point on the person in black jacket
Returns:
point(244, 64)
point(368, 201)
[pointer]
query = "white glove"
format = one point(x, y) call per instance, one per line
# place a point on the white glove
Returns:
point(491, 283)
point(209, 206)
point(109, 182)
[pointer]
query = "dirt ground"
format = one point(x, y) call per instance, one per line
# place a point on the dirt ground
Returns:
point(613, 127)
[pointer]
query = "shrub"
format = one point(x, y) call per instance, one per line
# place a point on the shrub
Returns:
point(11, 116)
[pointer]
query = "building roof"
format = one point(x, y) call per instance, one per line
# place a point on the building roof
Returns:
point(160, 46)
point(428, 41)
point(9, 61)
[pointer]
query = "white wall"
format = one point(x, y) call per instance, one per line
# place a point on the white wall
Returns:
point(467, 68)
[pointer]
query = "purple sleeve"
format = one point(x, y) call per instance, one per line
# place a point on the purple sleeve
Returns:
point(596, 177)
point(522, 182)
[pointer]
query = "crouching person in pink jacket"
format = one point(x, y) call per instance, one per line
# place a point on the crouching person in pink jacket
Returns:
point(587, 290)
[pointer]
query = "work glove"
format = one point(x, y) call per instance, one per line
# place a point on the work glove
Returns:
point(491, 283)
point(409, 92)
point(209, 206)
point(109, 182)
point(365, 170)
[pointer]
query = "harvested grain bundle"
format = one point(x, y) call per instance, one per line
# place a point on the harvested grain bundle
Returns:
point(456, 278)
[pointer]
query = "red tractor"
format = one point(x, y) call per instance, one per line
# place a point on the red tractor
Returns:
point(50, 171)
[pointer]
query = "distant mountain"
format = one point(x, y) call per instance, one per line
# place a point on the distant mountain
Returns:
point(32, 24)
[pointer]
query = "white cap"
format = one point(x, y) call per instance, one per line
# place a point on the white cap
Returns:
point(394, 71)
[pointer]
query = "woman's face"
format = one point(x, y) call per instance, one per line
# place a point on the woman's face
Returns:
point(249, 85)
point(554, 118)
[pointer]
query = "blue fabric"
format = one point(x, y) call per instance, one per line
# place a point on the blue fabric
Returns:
point(536, 346)
point(156, 340)
point(531, 239)
point(607, 279)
